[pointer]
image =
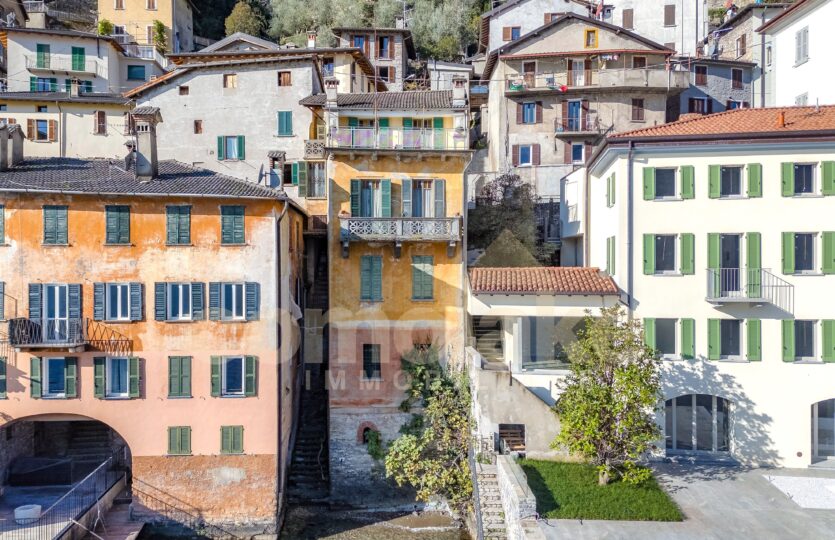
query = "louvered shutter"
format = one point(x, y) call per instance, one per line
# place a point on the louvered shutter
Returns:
point(520, 113)
point(253, 300)
point(649, 254)
point(688, 339)
point(406, 198)
point(251, 376)
point(754, 338)
point(827, 255)
point(35, 301)
point(160, 296)
point(439, 189)
point(506, 33)
point(536, 154)
point(377, 278)
point(35, 387)
point(365, 278)
point(755, 180)
point(70, 377)
point(197, 302)
point(302, 178)
point(74, 304)
point(827, 185)
point(515, 155)
point(385, 195)
point(787, 179)
point(688, 182)
point(538, 112)
point(753, 264)
point(99, 377)
point(828, 329)
point(355, 198)
point(649, 183)
point(133, 377)
point(98, 301)
point(53, 130)
point(241, 147)
point(136, 301)
point(221, 149)
point(714, 181)
point(688, 254)
point(217, 362)
point(214, 301)
point(3, 377)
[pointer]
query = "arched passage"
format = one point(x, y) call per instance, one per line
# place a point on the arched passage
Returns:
point(697, 423)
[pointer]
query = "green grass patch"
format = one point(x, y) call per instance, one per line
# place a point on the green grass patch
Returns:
point(570, 491)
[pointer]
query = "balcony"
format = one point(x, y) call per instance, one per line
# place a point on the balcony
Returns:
point(67, 334)
point(601, 79)
point(398, 139)
point(749, 286)
point(399, 230)
point(61, 64)
point(135, 50)
point(583, 125)
point(314, 149)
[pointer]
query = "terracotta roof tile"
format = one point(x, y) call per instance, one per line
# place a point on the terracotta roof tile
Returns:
point(742, 122)
point(541, 280)
point(429, 99)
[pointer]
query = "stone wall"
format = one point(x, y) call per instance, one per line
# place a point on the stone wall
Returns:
point(518, 501)
point(16, 440)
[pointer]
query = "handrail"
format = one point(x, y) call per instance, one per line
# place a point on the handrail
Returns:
point(58, 332)
point(400, 228)
point(726, 285)
point(54, 62)
point(561, 80)
point(383, 138)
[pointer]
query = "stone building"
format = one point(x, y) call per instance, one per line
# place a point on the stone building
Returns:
point(388, 49)
point(716, 85)
point(133, 22)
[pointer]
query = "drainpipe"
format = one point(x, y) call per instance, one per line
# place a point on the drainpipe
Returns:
point(630, 228)
point(762, 69)
point(62, 127)
point(279, 344)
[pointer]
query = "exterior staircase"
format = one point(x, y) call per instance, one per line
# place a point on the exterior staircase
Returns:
point(309, 479)
point(88, 447)
point(490, 501)
point(489, 342)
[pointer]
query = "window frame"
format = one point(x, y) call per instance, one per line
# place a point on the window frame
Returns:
point(181, 286)
point(198, 127)
point(813, 240)
point(813, 324)
point(675, 194)
point(675, 354)
point(375, 375)
point(133, 67)
point(108, 316)
point(281, 75)
point(741, 193)
point(529, 107)
point(242, 305)
point(223, 376)
point(643, 61)
point(230, 81)
point(37, 134)
point(593, 43)
point(108, 378)
point(663, 272)
point(740, 355)
point(45, 378)
point(515, 32)
point(151, 5)
point(737, 83)
point(813, 168)
point(700, 78)
point(582, 147)
point(529, 148)
point(638, 105)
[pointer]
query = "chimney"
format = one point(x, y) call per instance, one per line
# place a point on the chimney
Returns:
point(311, 39)
point(4, 147)
point(781, 119)
point(74, 88)
point(147, 165)
point(400, 22)
point(459, 92)
point(331, 87)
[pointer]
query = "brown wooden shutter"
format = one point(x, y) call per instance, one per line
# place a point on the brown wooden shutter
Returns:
point(670, 15)
point(535, 154)
point(564, 118)
point(587, 67)
point(30, 129)
point(570, 72)
point(567, 157)
point(628, 19)
point(520, 113)
point(515, 155)
point(102, 122)
point(587, 152)
point(506, 33)
point(392, 74)
point(12, 121)
point(584, 116)
point(52, 130)
point(547, 18)
point(538, 112)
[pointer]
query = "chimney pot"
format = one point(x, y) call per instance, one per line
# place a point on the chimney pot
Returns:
point(459, 91)
point(4, 146)
point(331, 91)
point(399, 22)
point(147, 164)
point(781, 119)
point(74, 88)
point(311, 39)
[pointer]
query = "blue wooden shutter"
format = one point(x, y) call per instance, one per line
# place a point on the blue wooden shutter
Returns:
point(355, 198)
point(406, 198)
point(35, 302)
point(136, 301)
point(250, 375)
point(35, 377)
point(385, 195)
point(99, 377)
point(33, 84)
point(285, 123)
point(184, 225)
point(253, 296)
point(294, 173)
point(440, 198)
point(98, 301)
point(74, 307)
point(214, 301)
point(197, 302)
point(159, 301)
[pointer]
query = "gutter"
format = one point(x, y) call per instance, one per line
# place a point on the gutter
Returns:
point(131, 194)
point(280, 378)
point(630, 228)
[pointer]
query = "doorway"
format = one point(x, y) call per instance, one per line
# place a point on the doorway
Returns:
point(730, 245)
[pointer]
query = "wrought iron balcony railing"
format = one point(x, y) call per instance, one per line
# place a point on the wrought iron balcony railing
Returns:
point(585, 123)
point(47, 333)
point(564, 80)
point(399, 230)
point(749, 285)
point(370, 138)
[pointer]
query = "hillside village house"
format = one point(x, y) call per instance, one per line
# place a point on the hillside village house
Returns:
point(388, 49)
point(117, 337)
point(716, 85)
point(738, 305)
point(133, 22)
point(396, 259)
point(800, 40)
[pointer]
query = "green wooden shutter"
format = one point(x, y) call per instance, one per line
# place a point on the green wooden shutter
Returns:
point(383, 122)
point(35, 295)
point(35, 377)
point(365, 278)
point(609, 192)
point(301, 179)
point(55, 225)
point(98, 301)
point(136, 301)
point(42, 55)
point(160, 309)
point(688, 339)
point(251, 376)
point(754, 265)
point(714, 181)
point(78, 58)
point(613, 183)
point(133, 377)
point(172, 221)
point(197, 302)
point(285, 123)
point(755, 180)
point(714, 339)
point(714, 261)
point(788, 340)
point(353, 121)
point(688, 182)
point(828, 253)
point(221, 149)
point(754, 327)
point(184, 435)
point(407, 123)
point(688, 254)
point(649, 333)
point(649, 183)
point(385, 195)
point(422, 278)
point(174, 377)
point(610, 255)
point(649, 254)
point(74, 300)
point(184, 225)
point(217, 363)
point(828, 329)
point(231, 439)
point(185, 376)
point(406, 198)
point(231, 224)
point(439, 188)
point(787, 175)
point(438, 122)
point(828, 177)
point(99, 377)
point(117, 224)
point(355, 198)
point(3, 377)
point(214, 301)
point(62, 234)
point(173, 441)
point(788, 253)
point(241, 147)
point(70, 377)
point(252, 298)
point(33, 84)
point(377, 278)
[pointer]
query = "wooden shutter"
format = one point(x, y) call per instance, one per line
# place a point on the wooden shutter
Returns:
point(2, 224)
point(714, 181)
point(214, 301)
point(587, 67)
point(649, 333)
point(649, 183)
point(2, 377)
point(828, 252)
point(174, 377)
point(2, 301)
point(133, 377)
point(628, 19)
point(506, 33)
point(688, 182)
point(406, 198)
point(135, 291)
point(251, 376)
point(232, 224)
point(252, 294)
point(355, 198)
point(99, 374)
point(172, 223)
point(787, 174)
point(753, 264)
point(754, 339)
point(688, 254)
point(365, 278)
point(98, 301)
point(828, 329)
point(70, 377)
point(520, 113)
point(197, 302)
point(183, 224)
point(53, 129)
point(788, 340)
point(241, 147)
point(755, 180)
point(649, 254)
point(385, 196)
point(567, 153)
point(536, 154)
point(231, 439)
point(301, 178)
point(714, 251)
point(714, 339)
point(515, 155)
point(670, 15)
point(30, 129)
point(217, 364)
point(221, 149)
point(827, 185)
point(159, 301)
point(74, 301)
point(35, 295)
point(788, 253)
point(538, 112)
point(33, 84)
point(377, 278)
point(35, 388)
point(688, 339)
point(439, 189)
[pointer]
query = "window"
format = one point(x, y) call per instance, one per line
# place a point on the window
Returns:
point(730, 184)
point(768, 55)
point(371, 365)
point(41, 109)
point(285, 78)
point(43, 84)
point(422, 282)
point(230, 80)
point(801, 46)
point(99, 123)
point(232, 302)
point(41, 130)
point(316, 185)
point(699, 105)
point(628, 19)
point(117, 300)
point(804, 252)
point(179, 376)
point(2, 242)
point(117, 378)
point(328, 66)
point(371, 278)
point(734, 104)
point(577, 152)
point(665, 253)
point(383, 47)
point(136, 73)
point(741, 46)
point(701, 75)
point(55, 225)
point(179, 301)
point(384, 73)
point(231, 439)
point(422, 202)
point(149, 34)
point(590, 39)
point(665, 183)
point(198, 127)
point(729, 332)
point(371, 199)
point(736, 78)
point(529, 113)
point(802, 100)
point(525, 154)
point(4, 107)
point(54, 378)
point(183, 90)
point(697, 422)
point(43, 58)
point(515, 32)
point(119, 4)
point(665, 337)
point(639, 62)
point(359, 42)
point(232, 225)
point(179, 441)
point(151, 4)
point(178, 225)
point(638, 110)
point(230, 148)
point(804, 179)
point(804, 340)
point(232, 377)
point(285, 123)
point(670, 15)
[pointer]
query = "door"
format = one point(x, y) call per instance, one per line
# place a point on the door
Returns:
point(730, 264)
point(369, 205)
point(529, 70)
point(823, 430)
point(578, 68)
point(56, 313)
point(575, 111)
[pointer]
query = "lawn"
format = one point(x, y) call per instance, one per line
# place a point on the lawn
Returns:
point(570, 491)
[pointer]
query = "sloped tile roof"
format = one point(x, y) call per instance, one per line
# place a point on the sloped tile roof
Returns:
point(541, 280)
point(110, 177)
point(434, 99)
point(64, 97)
point(739, 123)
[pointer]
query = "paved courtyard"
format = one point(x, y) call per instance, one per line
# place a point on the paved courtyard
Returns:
point(718, 502)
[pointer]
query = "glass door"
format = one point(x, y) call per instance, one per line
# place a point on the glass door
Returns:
point(578, 72)
point(730, 265)
point(823, 430)
point(56, 313)
point(574, 115)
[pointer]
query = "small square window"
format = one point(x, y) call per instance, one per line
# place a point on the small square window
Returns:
point(577, 152)
point(804, 340)
point(665, 337)
point(804, 252)
point(232, 376)
point(285, 78)
point(42, 108)
point(371, 365)
point(730, 338)
point(183, 90)
point(230, 80)
point(515, 33)
point(665, 183)
point(136, 73)
point(639, 62)
point(665, 254)
point(804, 179)
point(525, 155)
point(198, 127)
point(730, 182)
point(590, 41)
point(4, 107)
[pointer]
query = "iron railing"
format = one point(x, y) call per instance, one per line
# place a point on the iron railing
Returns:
point(68, 332)
point(749, 285)
point(400, 229)
point(65, 64)
point(601, 78)
point(58, 518)
point(585, 123)
point(381, 138)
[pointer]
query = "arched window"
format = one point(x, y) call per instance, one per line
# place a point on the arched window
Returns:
point(697, 423)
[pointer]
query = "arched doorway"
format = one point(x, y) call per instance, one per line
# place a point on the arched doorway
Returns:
point(823, 430)
point(697, 423)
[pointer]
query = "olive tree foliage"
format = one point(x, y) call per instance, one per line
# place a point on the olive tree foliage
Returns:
point(245, 18)
point(607, 408)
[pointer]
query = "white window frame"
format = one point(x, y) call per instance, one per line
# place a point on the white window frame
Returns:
point(45, 378)
point(801, 53)
point(676, 336)
point(815, 183)
point(676, 180)
point(675, 270)
point(185, 302)
point(224, 362)
point(582, 152)
point(107, 292)
point(235, 305)
point(530, 155)
point(62, 289)
point(234, 139)
point(109, 393)
point(742, 180)
point(814, 357)
point(37, 131)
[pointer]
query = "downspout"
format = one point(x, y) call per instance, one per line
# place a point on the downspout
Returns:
point(630, 228)
point(586, 220)
point(762, 69)
point(62, 127)
point(280, 378)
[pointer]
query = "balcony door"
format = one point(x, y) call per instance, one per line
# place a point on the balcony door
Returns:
point(370, 199)
point(730, 245)
point(578, 73)
point(56, 313)
point(422, 200)
point(575, 111)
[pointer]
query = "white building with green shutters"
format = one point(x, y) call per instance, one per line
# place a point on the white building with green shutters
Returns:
point(720, 233)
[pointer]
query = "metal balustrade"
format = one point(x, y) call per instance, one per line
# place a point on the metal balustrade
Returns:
point(749, 285)
point(585, 123)
point(66, 332)
point(66, 64)
point(601, 78)
point(381, 138)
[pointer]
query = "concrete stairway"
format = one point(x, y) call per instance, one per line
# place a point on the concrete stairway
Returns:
point(117, 524)
point(492, 513)
point(489, 341)
point(309, 476)
point(88, 447)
